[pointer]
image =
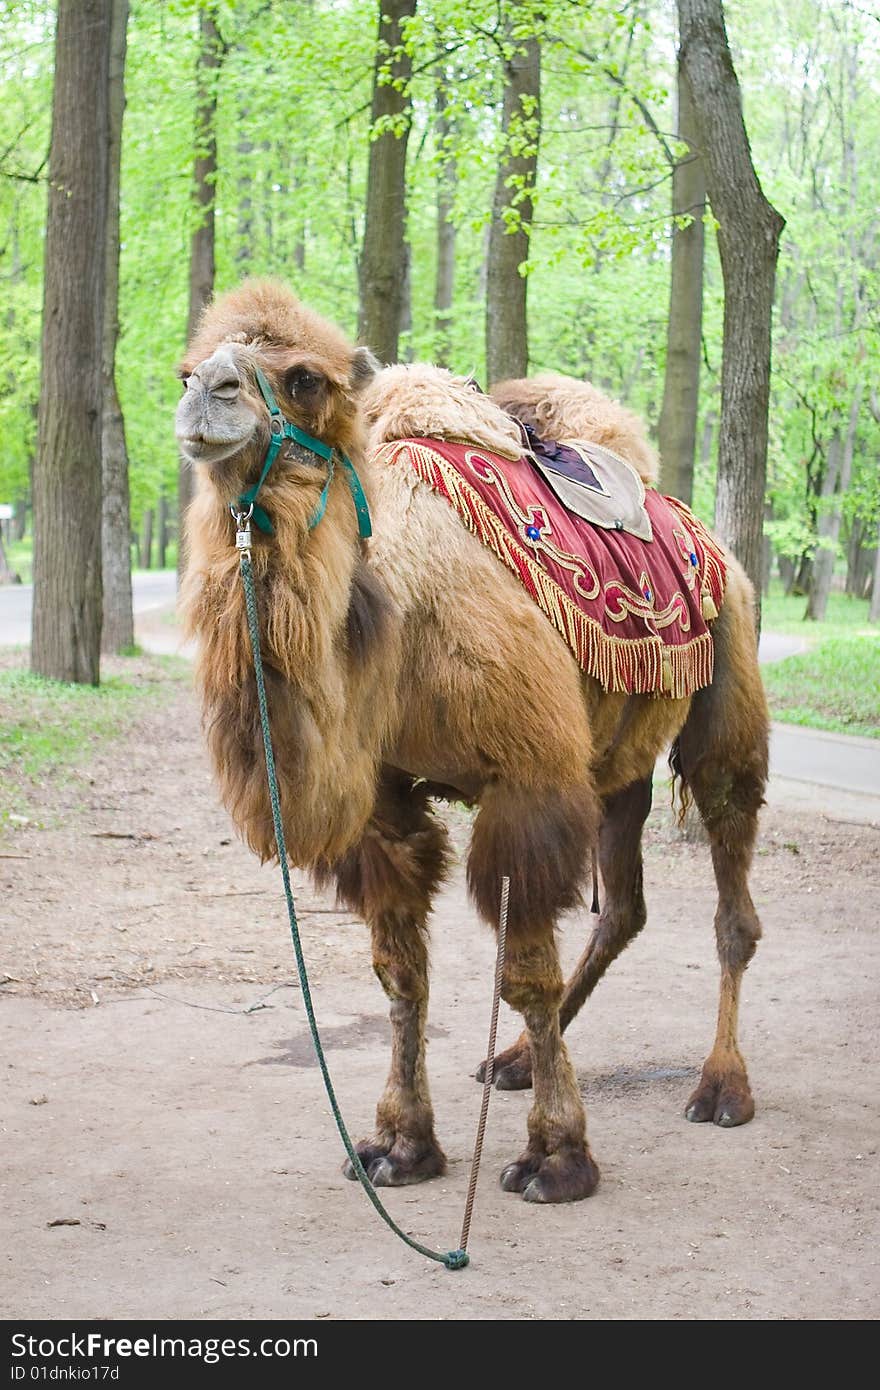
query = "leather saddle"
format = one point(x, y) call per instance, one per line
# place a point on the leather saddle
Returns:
point(592, 482)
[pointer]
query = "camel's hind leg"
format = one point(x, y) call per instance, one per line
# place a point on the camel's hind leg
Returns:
point(622, 917)
point(389, 879)
point(721, 755)
point(541, 842)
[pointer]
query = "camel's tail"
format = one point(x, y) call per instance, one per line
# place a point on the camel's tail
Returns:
point(681, 792)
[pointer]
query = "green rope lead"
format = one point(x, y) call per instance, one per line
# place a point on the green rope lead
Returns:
point(452, 1259)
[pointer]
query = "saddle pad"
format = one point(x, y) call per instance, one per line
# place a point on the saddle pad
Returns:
point(592, 482)
point(633, 612)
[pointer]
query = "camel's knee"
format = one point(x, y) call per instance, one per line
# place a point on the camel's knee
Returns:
point(729, 798)
point(400, 962)
point(540, 840)
point(532, 979)
point(737, 933)
point(616, 927)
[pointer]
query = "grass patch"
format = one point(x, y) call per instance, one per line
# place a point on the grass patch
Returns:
point(48, 728)
point(781, 612)
point(835, 685)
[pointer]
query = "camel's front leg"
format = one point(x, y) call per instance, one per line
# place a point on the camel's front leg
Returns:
point(389, 879)
point(540, 840)
point(623, 916)
point(404, 1148)
point(557, 1165)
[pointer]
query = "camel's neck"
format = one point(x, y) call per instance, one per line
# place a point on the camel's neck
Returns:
point(329, 724)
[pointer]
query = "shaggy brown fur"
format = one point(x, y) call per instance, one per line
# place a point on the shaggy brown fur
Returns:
point(558, 407)
point(396, 673)
point(421, 401)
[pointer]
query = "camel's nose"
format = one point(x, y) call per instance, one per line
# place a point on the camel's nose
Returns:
point(219, 376)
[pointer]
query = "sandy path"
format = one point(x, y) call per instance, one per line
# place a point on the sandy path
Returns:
point(195, 1148)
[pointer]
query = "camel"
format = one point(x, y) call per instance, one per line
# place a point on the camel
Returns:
point(416, 668)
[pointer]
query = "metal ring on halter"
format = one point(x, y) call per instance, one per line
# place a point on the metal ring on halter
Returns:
point(276, 420)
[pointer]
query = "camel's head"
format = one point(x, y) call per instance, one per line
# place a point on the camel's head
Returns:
point(314, 372)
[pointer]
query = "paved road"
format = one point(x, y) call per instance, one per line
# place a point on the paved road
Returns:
point(825, 760)
point(151, 589)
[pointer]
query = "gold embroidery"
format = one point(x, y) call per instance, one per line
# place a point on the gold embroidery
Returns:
point(628, 664)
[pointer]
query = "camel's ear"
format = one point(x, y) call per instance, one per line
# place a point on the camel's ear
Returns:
point(364, 366)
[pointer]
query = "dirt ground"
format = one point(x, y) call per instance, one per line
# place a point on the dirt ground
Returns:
point(162, 1095)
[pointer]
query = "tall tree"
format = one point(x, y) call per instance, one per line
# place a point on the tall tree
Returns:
point(836, 480)
point(507, 338)
point(854, 269)
point(874, 609)
point(444, 282)
point(117, 631)
point(66, 637)
point(382, 265)
point(677, 428)
point(749, 228)
point(201, 259)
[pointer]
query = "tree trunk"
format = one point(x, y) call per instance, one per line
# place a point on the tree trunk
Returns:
point(749, 229)
point(7, 573)
point(874, 609)
point(507, 337)
point(853, 557)
point(444, 285)
point(162, 532)
point(707, 439)
point(405, 353)
point(244, 230)
point(146, 546)
point(381, 268)
point(859, 560)
point(117, 631)
point(766, 554)
point(677, 429)
point(800, 585)
point(19, 522)
point(837, 478)
point(786, 572)
point(201, 260)
point(66, 637)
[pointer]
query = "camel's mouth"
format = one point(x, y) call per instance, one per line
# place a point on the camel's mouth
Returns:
point(195, 449)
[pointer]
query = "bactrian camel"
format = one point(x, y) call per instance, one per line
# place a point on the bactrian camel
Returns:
point(397, 676)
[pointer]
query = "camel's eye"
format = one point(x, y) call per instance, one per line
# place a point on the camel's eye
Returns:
point(301, 382)
point(184, 383)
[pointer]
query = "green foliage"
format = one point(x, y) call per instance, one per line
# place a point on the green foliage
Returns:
point(294, 92)
point(835, 685)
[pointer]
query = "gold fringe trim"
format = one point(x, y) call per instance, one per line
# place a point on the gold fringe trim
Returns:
point(626, 665)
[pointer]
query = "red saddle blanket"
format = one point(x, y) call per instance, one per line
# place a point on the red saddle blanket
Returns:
point(633, 612)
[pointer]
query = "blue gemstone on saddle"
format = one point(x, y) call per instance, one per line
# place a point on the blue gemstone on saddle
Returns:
point(693, 560)
point(533, 533)
point(648, 594)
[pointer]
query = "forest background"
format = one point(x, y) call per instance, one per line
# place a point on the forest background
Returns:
point(273, 125)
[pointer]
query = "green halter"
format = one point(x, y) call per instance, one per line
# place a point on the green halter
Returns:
point(281, 429)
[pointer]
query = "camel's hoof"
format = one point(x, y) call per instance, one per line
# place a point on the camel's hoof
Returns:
point(727, 1103)
point(368, 1151)
point(513, 1070)
point(392, 1168)
point(568, 1175)
point(516, 1176)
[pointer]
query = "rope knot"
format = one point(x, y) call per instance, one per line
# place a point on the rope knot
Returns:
point(456, 1259)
